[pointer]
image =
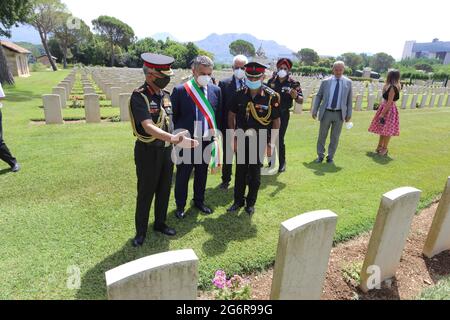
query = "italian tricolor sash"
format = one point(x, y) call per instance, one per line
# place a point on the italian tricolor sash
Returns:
point(202, 103)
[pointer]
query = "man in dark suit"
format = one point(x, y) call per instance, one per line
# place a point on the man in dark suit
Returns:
point(196, 105)
point(5, 154)
point(229, 87)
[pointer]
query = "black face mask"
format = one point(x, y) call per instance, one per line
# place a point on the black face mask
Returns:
point(162, 82)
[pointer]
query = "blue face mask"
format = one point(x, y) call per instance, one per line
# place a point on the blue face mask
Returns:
point(253, 85)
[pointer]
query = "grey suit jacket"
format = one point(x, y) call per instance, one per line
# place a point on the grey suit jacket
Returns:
point(323, 97)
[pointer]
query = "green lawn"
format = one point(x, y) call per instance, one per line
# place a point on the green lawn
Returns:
point(439, 292)
point(73, 202)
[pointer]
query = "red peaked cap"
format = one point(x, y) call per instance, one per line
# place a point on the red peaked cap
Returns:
point(255, 69)
point(285, 61)
point(159, 62)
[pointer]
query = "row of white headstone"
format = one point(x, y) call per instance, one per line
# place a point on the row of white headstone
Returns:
point(304, 247)
point(118, 83)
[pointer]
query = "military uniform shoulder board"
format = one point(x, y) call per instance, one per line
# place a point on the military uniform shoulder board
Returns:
point(270, 91)
point(274, 95)
point(139, 90)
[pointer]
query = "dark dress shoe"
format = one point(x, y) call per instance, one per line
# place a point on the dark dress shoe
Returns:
point(164, 229)
point(203, 208)
point(138, 241)
point(282, 168)
point(330, 160)
point(235, 207)
point(319, 160)
point(250, 210)
point(15, 168)
point(180, 214)
point(224, 186)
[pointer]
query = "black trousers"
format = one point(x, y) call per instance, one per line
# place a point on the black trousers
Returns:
point(285, 115)
point(247, 173)
point(227, 166)
point(154, 170)
point(184, 171)
point(5, 154)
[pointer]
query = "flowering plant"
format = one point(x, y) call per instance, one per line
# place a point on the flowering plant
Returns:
point(230, 289)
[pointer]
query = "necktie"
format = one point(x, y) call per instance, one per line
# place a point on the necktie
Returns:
point(241, 84)
point(334, 102)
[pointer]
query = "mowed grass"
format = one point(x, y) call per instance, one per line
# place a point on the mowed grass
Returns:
point(73, 202)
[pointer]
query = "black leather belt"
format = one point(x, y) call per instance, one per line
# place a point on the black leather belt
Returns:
point(333, 110)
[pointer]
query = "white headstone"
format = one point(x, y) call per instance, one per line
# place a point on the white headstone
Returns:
point(165, 276)
point(389, 236)
point(423, 102)
point(124, 99)
point(304, 248)
point(440, 100)
point(92, 108)
point(358, 102)
point(405, 100)
point(115, 92)
point(432, 100)
point(414, 101)
point(370, 102)
point(438, 239)
point(61, 92)
point(52, 109)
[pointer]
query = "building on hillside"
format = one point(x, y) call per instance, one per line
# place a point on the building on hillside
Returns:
point(434, 50)
point(44, 60)
point(17, 58)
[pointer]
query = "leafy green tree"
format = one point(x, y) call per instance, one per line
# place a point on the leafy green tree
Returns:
point(68, 32)
point(242, 47)
point(11, 13)
point(44, 18)
point(308, 57)
point(381, 62)
point(116, 32)
point(351, 60)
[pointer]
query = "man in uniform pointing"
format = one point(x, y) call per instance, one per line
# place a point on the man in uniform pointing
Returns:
point(151, 120)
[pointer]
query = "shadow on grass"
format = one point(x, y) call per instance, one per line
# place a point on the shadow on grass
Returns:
point(226, 228)
point(438, 266)
point(272, 180)
point(5, 171)
point(93, 283)
point(22, 96)
point(383, 160)
point(321, 169)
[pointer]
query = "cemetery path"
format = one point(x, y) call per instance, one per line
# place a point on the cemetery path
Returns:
point(415, 273)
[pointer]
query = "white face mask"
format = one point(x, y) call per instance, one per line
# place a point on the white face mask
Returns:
point(239, 74)
point(203, 80)
point(282, 73)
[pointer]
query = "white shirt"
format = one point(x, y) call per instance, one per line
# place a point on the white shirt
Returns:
point(332, 88)
point(238, 82)
point(2, 94)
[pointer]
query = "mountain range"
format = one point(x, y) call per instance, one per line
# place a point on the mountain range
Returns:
point(219, 46)
point(214, 43)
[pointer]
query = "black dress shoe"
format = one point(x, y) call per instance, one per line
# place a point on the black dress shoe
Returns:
point(164, 229)
point(330, 160)
point(138, 241)
point(180, 214)
point(250, 210)
point(319, 160)
point(235, 207)
point(15, 168)
point(282, 168)
point(224, 186)
point(203, 208)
